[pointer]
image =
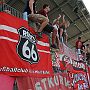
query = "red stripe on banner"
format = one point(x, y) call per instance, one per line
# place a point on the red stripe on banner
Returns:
point(7, 34)
point(45, 48)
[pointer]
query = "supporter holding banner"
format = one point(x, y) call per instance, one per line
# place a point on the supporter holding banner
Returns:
point(22, 54)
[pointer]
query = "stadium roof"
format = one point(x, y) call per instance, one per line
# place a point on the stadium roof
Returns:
point(74, 10)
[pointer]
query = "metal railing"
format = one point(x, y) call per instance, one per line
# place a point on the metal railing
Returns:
point(8, 9)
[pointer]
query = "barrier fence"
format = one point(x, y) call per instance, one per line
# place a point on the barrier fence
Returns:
point(8, 9)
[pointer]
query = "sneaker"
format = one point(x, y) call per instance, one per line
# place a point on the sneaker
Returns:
point(53, 46)
point(39, 34)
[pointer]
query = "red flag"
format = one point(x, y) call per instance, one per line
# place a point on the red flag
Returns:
point(21, 53)
point(6, 82)
point(58, 82)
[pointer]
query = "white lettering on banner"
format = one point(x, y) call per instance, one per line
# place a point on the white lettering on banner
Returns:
point(78, 65)
point(83, 86)
point(66, 82)
point(68, 60)
point(61, 80)
point(80, 77)
point(23, 70)
point(80, 87)
point(30, 37)
point(44, 83)
point(56, 80)
point(25, 33)
point(52, 82)
point(37, 86)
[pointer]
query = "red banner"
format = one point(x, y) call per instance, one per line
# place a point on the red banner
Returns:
point(77, 71)
point(68, 60)
point(68, 51)
point(6, 82)
point(20, 52)
point(88, 75)
point(79, 81)
point(58, 82)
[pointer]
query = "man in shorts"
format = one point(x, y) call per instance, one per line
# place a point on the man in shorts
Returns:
point(38, 18)
point(63, 29)
point(56, 24)
point(48, 28)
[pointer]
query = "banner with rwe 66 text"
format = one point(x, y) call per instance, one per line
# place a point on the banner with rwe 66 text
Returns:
point(21, 53)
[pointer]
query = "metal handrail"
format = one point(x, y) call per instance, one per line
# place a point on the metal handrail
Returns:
point(8, 9)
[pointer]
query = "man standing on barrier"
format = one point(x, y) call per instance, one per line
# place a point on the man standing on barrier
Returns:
point(49, 28)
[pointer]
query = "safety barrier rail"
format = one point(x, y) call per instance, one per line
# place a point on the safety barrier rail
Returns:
point(8, 9)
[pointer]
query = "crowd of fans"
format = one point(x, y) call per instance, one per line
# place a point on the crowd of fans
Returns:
point(57, 29)
point(83, 50)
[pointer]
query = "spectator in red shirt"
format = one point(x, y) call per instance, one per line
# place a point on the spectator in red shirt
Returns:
point(49, 28)
point(45, 10)
point(37, 18)
point(79, 45)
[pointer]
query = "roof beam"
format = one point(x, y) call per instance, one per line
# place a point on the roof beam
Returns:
point(59, 6)
point(72, 21)
point(54, 2)
point(11, 2)
point(79, 17)
point(80, 34)
point(23, 1)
